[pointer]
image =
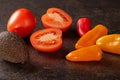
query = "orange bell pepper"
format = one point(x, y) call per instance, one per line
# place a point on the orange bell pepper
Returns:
point(110, 43)
point(91, 36)
point(91, 53)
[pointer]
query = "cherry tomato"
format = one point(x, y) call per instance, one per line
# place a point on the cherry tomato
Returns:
point(83, 26)
point(56, 18)
point(47, 40)
point(110, 43)
point(22, 22)
point(90, 53)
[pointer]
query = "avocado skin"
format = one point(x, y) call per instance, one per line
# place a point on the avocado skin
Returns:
point(13, 48)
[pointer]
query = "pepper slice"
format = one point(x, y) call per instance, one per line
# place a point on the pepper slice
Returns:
point(56, 18)
point(91, 36)
point(110, 43)
point(90, 53)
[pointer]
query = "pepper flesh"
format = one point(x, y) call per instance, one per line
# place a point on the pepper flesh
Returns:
point(91, 36)
point(110, 43)
point(90, 53)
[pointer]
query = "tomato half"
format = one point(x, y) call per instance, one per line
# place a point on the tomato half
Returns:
point(56, 18)
point(83, 26)
point(22, 22)
point(47, 40)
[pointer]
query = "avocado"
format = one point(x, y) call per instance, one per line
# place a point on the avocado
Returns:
point(13, 48)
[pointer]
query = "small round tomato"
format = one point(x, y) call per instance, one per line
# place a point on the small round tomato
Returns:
point(22, 22)
point(56, 18)
point(83, 26)
point(47, 40)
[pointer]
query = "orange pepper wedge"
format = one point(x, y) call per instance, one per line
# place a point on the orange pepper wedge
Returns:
point(90, 53)
point(91, 36)
point(110, 43)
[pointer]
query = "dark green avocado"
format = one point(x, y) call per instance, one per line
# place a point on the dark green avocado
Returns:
point(13, 48)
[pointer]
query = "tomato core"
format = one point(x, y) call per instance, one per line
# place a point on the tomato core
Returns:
point(48, 39)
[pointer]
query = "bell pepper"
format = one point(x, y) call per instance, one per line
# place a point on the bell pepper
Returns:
point(110, 43)
point(91, 36)
point(90, 53)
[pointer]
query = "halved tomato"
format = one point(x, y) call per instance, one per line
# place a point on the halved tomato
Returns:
point(47, 40)
point(56, 18)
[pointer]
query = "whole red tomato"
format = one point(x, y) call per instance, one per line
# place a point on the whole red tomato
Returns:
point(83, 26)
point(22, 22)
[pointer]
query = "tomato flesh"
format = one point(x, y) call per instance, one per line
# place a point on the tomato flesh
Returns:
point(47, 40)
point(56, 18)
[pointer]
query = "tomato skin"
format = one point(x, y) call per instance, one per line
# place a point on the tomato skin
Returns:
point(91, 36)
point(22, 22)
point(53, 43)
point(83, 26)
point(110, 43)
point(56, 18)
point(90, 53)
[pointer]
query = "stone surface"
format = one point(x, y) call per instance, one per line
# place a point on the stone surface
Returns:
point(53, 66)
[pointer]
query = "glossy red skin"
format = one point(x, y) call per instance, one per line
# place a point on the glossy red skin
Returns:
point(83, 26)
point(22, 22)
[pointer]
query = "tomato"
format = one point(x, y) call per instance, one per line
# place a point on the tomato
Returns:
point(83, 26)
point(110, 43)
point(91, 36)
point(47, 40)
point(22, 22)
point(90, 53)
point(56, 18)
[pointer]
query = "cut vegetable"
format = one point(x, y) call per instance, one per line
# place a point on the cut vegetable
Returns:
point(110, 43)
point(91, 36)
point(47, 40)
point(56, 18)
point(91, 53)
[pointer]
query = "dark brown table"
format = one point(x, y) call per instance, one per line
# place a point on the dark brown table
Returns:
point(54, 66)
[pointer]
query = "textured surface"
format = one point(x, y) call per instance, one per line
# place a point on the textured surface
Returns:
point(53, 66)
point(13, 48)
